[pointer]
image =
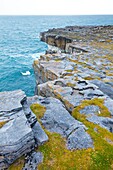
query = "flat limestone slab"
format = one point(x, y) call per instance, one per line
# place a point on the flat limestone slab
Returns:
point(11, 100)
point(14, 131)
point(16, 135)
point(57, 119)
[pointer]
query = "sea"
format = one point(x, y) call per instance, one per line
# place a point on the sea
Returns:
point(20, 45)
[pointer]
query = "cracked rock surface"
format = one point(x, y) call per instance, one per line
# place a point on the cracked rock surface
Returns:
point(18, 136)
point(57, 119)
point(79, 70)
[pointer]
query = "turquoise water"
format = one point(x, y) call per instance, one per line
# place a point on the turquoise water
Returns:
point(20, 45)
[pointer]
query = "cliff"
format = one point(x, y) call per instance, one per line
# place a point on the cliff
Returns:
point(80, 76)
point(68, 124)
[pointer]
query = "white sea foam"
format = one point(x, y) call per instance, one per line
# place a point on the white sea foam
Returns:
point(27, 73)
point(37, 55)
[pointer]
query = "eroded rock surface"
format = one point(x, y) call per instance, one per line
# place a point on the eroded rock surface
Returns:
point(91, 109)
point(57, 119)
point(32, 160)
point(84, 72)
point(106, 123)
point(18, 135)
point(64, 82)
point(11, 101)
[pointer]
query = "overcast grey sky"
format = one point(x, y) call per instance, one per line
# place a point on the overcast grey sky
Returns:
point(55, 7)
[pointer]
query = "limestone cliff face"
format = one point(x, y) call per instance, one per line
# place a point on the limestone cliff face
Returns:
point(71, 38)
point(65, 82)
point(56, 40)
point(71, 77)
point(43, 71)
point(73, 87)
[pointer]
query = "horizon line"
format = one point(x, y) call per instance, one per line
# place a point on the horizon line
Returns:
point(52, 14)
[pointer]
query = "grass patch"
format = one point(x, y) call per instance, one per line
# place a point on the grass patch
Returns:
point(102, 155)
point(38, 110)
point(98, 102)
point(58, 60)
point(103, 45)
point(70, 71)
point(56, 156)
point(89, 78)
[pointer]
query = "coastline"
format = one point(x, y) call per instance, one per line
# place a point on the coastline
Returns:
point(73, 106)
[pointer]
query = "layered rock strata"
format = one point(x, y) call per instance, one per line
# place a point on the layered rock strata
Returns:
point(65, 82)
point(84, 73)
point(18, 135)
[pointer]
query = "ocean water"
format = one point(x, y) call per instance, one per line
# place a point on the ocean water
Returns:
point(20, 45)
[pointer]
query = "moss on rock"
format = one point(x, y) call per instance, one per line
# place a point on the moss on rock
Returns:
point(38, 110)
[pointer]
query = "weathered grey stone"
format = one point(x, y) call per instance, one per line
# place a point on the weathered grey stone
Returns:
point(107, 89)
point(11, 100)
point(64, 91)
point(16, 138)
point(21, 131)
point(109, 104)
point(104, 122)
point(33, 160)
point(91, 109)
point(90, 93)
point(84, 85)
point(57, 119)
point(69, 67)
point(110, 83)
point(75, 99)
point(39, 134)
point(84, 75)
point(79, 139)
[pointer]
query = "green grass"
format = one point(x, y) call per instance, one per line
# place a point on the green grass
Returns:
point(38, 110)
point(56, 155)
point(102, 155)
point(97, 102)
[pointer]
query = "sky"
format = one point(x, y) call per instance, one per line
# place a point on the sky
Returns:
point(55, 7)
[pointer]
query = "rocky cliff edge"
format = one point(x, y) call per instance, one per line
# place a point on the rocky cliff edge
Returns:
point(68, 123)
